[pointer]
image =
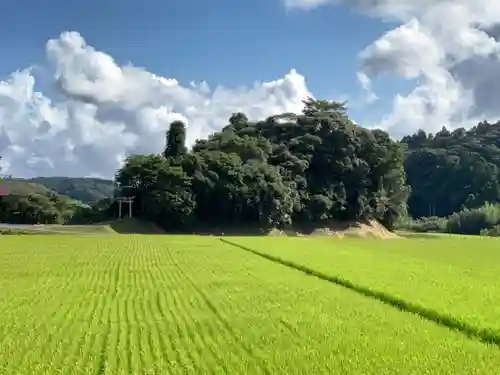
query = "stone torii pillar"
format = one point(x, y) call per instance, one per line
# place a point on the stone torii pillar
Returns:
point(130, 201)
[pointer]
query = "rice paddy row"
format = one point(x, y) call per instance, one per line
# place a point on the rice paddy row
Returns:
point(455, 278)
point(193, 305)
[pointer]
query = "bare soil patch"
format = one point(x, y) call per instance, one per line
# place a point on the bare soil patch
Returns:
point(366, 229)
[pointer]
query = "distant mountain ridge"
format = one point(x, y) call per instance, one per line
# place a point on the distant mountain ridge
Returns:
point(79, 188)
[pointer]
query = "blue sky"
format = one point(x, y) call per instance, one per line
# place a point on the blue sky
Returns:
point(85, 105)
point(225, 42)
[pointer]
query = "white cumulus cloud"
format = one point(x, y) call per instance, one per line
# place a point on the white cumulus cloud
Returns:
point(101, 111)
point(452, 49)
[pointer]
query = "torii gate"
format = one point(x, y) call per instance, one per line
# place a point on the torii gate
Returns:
point(123, 199)
point(129, 200)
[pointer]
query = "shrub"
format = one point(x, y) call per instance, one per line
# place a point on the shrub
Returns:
point(474, 221)
point(493, 232)
point(424, 224)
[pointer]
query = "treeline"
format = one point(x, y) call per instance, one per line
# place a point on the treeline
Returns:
point(37, 208)
point(30, 203)
point(453, 170)
point(454, 178)
point(484, 220)
point(304, 169)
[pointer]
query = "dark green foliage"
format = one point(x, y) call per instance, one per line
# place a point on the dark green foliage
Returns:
point(431, 224)
point(36, 208)
point(484, 220)
point(449, 171)
point(94, 213)
point(161, 190)
point(474, 221)
point(176, 140)
point(310, 167)
point(32, 203)
point(493, 232)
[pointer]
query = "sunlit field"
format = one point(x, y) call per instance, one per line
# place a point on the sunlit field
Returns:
point(196, 305)
point(453, 277)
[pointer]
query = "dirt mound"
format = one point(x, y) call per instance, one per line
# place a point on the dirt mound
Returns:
point(366, 229)
point(371, 228)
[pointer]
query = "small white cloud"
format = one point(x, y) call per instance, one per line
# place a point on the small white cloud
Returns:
point(305, 4)
point(366, 84)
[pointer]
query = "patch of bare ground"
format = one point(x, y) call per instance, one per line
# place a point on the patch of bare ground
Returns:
point(366, 229)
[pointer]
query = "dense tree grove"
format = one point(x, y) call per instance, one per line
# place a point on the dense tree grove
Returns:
point(305, 169)
point(453, 170)
point(302, 168)
point(36, 209)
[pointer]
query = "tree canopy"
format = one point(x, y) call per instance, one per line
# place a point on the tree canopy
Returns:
point(452, 170)
point(304, 168)
point(290, 168)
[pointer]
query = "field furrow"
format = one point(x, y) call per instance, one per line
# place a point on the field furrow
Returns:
point(134, 305)
point(198, 311)
point(449, 280)
point(246, 355)
point(190, 334)
point(146, 317)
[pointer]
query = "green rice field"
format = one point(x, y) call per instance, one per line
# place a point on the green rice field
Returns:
point(454, 277)
point(158, 304)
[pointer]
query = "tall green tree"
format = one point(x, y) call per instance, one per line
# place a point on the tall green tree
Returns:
point(161, 190)
point(176, 140)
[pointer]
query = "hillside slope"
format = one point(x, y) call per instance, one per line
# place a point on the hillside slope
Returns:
point(81, 189)
point(20, 187)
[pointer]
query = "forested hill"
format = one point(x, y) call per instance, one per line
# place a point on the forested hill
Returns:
point(310, 167)
point(85, 190)
point(31, 203)
point(451, 170)
point(49, 200)
point(82, 189)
